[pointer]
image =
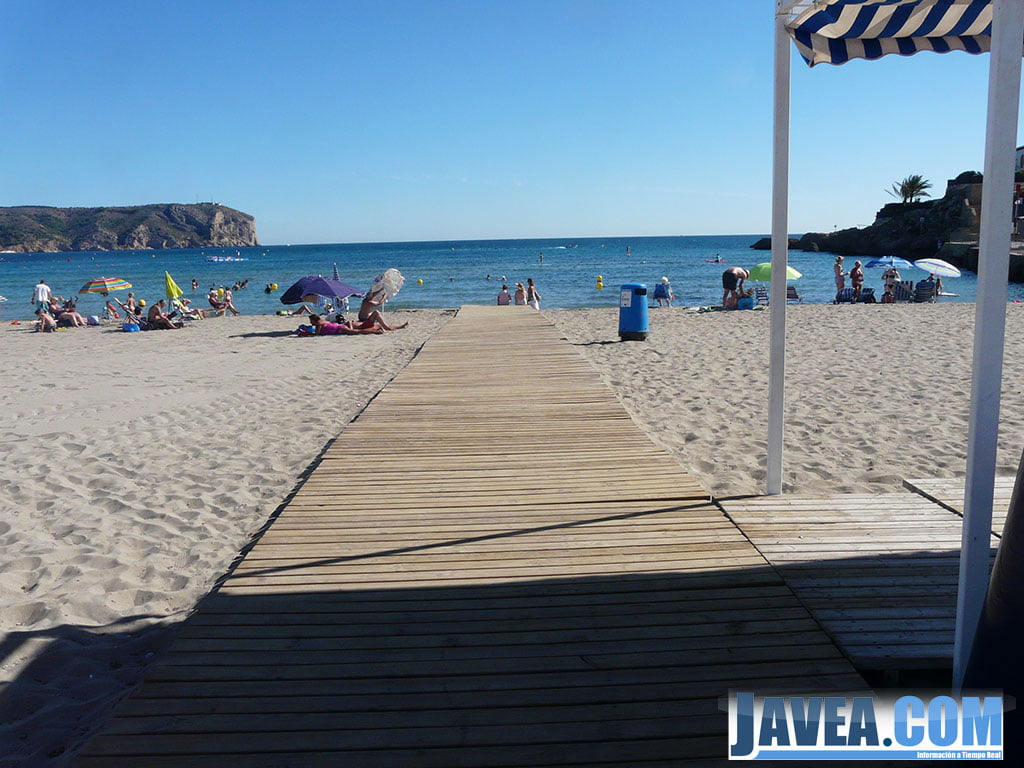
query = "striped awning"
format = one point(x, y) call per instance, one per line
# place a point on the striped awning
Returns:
point(835, 31)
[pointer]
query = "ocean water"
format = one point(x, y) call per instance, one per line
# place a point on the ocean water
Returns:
point(453, 273)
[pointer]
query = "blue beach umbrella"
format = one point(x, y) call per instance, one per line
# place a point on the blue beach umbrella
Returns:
point(310, 287)
point(888, 261)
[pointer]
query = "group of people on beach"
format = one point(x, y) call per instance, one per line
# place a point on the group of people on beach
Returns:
point(525, 295)
point(369, 320)
point(53, 312)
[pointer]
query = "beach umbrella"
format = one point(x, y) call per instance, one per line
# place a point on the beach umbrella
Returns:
point(312, 287)
point(834, 32)
point(391, 282)
point(104, 285)
point(762, 273)
point(171, 288)
point(887, 262)
point(937, 267)
point(335, 275)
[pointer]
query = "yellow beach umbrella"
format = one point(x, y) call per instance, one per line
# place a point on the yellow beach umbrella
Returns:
point(172, 289)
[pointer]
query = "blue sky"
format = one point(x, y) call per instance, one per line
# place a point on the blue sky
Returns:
point(381, 120)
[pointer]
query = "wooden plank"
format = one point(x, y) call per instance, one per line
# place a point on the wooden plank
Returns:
point(454, 584)
point(950, 494)
point(878, 571)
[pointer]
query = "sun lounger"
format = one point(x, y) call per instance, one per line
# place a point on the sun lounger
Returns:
point(903, 290)
point(792, 295)
point(924, 292)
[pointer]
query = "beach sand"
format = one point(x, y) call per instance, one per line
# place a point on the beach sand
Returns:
point(137, 466)
point(874, 393)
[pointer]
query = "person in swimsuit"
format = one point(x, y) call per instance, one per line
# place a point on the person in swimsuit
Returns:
point(732, 285)
point(324, 328)
point(368, 310)
point(840, 275)
point(856, 280)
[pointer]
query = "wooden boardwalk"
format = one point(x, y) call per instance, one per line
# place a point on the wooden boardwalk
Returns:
point(878, 571)
point(491, 566)
point(950, 494)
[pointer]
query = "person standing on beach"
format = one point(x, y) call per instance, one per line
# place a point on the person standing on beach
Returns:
point(890, 277)
point(532, 297)
point(732, 285)
point(856, 280)
point(840, 275)
point(41, 295)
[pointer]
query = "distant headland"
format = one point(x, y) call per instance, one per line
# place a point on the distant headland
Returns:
point(42, 229)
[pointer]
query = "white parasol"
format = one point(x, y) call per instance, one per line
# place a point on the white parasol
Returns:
point(390, 282)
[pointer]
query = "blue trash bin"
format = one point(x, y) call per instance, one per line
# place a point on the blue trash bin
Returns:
point(633, 312)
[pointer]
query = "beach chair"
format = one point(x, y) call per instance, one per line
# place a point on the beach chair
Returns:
point(845, 296)
point(132, 317)
point(761, 293)
point(792, 295)
point(903, 290)
point(867, 296)
point(924, 292)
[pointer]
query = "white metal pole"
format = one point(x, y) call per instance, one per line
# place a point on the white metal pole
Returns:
point(780, 247)
point(990, 322)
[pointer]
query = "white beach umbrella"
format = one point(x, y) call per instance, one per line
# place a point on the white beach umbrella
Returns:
point(937, 267)
point(834, 32)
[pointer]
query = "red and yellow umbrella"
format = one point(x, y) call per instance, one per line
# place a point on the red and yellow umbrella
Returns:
point(105, 285)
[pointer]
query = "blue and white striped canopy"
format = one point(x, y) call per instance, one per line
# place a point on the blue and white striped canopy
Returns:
point(835, 31)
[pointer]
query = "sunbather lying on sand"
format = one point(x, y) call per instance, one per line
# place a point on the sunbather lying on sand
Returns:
point(324, 328)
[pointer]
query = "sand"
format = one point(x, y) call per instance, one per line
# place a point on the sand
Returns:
point(137, 466)
point(874, 393)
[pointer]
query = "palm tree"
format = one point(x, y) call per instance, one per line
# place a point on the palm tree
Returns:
point(911, 189)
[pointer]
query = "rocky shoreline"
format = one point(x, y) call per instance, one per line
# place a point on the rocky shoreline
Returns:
point(44, 229)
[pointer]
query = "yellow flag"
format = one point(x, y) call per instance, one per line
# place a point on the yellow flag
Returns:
point(173, 291)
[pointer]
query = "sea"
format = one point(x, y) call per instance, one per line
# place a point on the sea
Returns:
point(569, 272)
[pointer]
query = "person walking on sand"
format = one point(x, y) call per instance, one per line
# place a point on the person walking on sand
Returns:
point(856, 280)
point(663, 293)
point(732, 285)
point(41, 295)
point(837, 268)
point(532, 297)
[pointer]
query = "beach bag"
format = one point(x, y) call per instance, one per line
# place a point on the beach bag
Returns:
point(305, 330)
point(93, 320)
point(130, 327)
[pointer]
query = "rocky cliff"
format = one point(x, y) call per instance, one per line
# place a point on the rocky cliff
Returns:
point(40, 229)
point(910, 230)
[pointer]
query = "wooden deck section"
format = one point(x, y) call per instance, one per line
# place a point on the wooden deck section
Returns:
point(878, 571)
point(950, 494)
point(491, 566)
